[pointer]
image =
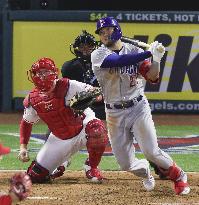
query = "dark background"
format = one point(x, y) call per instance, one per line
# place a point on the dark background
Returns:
point(142, 5)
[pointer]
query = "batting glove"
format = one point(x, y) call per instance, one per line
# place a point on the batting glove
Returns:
point(157, 50)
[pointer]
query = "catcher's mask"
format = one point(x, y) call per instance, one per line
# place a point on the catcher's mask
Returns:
point(83, 46)
point(43, 73)
point(110, 22)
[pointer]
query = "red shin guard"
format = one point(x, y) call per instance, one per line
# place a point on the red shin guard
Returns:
point(97, 139)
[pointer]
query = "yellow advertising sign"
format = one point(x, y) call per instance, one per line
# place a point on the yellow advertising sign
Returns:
point(179, 77)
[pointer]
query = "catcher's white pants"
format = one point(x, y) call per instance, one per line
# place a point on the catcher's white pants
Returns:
point(56, 151)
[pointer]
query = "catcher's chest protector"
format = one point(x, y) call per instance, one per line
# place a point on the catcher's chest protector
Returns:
point(61, 120)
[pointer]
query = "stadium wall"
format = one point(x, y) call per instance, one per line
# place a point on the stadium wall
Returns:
point(31, 34)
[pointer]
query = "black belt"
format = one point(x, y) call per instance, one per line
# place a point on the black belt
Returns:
point(125, 104)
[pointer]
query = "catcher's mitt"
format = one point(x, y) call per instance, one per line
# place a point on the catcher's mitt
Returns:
point(20, 185)
point(81, 100)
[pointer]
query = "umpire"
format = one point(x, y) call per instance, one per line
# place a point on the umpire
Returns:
point(80, 67)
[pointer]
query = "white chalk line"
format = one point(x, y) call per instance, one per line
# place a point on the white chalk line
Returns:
point(42, 198)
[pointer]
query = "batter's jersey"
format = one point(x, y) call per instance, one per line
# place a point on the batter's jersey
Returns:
point(30, 114)
point(117, 83)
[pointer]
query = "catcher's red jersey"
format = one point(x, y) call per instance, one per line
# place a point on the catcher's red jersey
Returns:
point(61, 119)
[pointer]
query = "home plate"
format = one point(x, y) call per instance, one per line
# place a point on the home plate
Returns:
point(42, 197)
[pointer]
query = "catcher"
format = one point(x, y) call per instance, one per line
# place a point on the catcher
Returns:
point(63, 105)
point(20, 185)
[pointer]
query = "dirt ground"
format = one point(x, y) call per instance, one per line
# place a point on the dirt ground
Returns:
point(119, 188)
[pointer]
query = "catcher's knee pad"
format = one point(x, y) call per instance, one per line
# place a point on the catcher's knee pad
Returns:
point(96, 134)
point(37, 173)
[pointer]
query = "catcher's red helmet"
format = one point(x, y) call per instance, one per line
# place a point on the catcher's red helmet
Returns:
point(43, 74)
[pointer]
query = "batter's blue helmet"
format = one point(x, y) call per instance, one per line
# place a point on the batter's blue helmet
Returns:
point(110, 22)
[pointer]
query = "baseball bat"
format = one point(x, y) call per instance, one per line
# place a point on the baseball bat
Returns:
point(139, 43)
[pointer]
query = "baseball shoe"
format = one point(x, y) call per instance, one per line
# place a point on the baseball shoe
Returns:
point(181, 185)
point(58, 172)
point(93, 174)
point(149, 183)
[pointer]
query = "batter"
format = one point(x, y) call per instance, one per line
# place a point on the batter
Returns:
point(120, 69)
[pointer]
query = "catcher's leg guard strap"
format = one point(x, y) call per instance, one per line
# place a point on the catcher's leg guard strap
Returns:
point(37, 173)
point(97, 139)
